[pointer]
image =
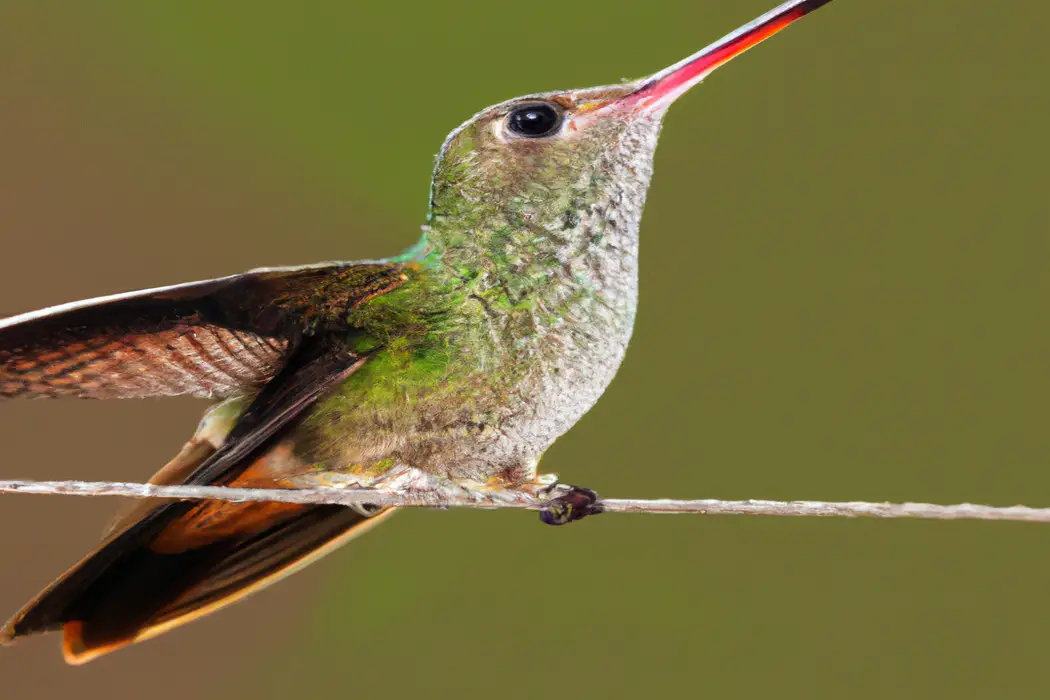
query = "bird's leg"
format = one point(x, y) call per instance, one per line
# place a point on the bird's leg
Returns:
point(561, 503)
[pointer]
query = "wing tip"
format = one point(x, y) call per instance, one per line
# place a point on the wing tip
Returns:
point(10, 632)
point(75, 650)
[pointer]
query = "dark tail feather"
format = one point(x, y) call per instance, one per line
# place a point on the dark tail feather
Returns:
point(125, 592)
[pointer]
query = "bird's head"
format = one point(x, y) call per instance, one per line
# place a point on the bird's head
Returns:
point(547, 161)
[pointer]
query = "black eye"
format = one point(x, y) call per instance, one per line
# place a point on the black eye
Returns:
point(534, 120)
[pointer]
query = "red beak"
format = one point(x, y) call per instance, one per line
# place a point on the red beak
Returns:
point(661, 89)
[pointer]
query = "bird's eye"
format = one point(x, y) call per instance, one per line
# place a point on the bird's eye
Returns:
point(534, 120)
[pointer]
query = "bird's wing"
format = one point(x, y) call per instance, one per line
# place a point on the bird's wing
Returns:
point(181, 560)
point(216, 338)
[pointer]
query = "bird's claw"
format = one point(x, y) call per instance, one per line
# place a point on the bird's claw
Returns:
point(574, 503)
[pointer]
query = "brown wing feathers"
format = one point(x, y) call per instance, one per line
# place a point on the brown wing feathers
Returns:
point(186, 357)
point(217, 338)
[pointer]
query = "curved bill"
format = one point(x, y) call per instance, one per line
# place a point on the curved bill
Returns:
point(660, 90)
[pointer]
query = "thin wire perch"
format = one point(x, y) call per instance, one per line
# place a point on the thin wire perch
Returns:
point(345, 497)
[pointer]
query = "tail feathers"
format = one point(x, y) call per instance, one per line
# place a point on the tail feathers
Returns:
point(125, 592)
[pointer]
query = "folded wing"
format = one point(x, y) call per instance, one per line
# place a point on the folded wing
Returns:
point(175, 561)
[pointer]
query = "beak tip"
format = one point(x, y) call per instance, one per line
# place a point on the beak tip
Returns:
point(661, 89)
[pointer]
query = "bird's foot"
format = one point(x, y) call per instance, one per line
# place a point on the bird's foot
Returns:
point(569, 503)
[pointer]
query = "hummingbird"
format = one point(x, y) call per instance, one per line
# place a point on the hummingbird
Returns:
point(446, 370)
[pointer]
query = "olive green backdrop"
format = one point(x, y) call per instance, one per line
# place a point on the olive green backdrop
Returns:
point(844, 297)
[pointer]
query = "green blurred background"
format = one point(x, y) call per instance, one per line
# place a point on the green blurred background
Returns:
point(844, 297)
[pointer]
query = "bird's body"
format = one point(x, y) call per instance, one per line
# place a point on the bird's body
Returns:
point(512, 321)
point(450, 368)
